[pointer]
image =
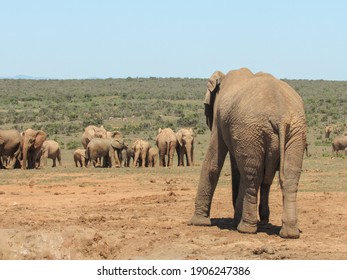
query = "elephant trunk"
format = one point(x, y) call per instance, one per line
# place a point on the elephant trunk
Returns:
point(189, 155)
point(25, 157)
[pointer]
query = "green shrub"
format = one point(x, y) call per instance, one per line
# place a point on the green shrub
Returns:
point(73, 145)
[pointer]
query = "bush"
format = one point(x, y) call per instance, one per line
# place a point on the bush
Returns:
point(73, 145)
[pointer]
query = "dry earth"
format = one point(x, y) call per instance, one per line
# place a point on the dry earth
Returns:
point(128, 213)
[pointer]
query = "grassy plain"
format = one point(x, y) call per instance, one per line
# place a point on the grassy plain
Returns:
point(132, 213)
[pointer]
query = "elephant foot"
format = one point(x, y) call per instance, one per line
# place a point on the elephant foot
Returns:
point(289, 232)
point(247, 228)
point(264, 221)
point(199, 220)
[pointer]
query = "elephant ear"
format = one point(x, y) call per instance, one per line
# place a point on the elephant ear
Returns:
point(213, 86)
point(116, 134)
point(192, 132)
point(134, 144)
point(117, 144)
point(179, 135)
point(91, 133)
point(40, 137)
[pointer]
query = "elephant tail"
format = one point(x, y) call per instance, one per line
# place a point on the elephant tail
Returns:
point(282, 131)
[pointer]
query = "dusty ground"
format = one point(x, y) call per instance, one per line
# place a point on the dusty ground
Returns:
point(72, 213)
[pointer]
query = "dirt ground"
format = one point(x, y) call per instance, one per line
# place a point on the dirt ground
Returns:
point(132, 213)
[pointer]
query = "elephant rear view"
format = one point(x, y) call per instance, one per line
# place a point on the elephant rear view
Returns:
point(166, 142)
point(50, 149)
point(339, 144)
point(79, 156)
point(261, 122)
point(141, 148)
point(10, 146)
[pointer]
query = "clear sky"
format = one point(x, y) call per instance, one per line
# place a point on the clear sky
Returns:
point(70, 39)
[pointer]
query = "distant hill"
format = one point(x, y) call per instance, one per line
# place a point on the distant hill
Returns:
point(25, 77)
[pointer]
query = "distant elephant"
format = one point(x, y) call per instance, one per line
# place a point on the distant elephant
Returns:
point(32, 141)
point(339, 144)
point(10, 147)
point(92, 132)
point(166, 142)
point(328, 130)
point(105, 148)
point(141, 148)
point(185, 146)
point(153, 157)
point(261, 122)
point(50, 149)
point(127, 155)
point(79, 156)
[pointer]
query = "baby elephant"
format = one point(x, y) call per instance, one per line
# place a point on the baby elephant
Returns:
point(79, 156)
point(105, 148)
point(153, 157)
point(50, 149)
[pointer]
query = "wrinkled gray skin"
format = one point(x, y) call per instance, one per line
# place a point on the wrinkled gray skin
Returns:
point(127, 155)
point(166, 142)
point(92, 132)
point(10, 147)
point(339, 144)
point(32, 141)
point(185, 146)
point(50, 149)
point(105, 148)
point(141, 148)
point(153, 157)
point(79, 156)
point(261, 122)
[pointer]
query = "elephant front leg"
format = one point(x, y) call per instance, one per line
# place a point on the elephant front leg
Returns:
point(210, 171)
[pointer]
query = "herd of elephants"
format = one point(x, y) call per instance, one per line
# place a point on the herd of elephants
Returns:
point(255, 118)
point(31, 148)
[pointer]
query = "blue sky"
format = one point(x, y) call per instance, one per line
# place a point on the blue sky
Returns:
point(70, 39)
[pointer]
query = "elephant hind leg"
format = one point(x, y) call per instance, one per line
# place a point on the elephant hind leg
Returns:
point(251, 175)
point(59, 158)
point(271, 165)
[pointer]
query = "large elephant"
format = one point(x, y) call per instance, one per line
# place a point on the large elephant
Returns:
point(185, 146)
point(166, 142)
point(92, 132)
point(10, 146)
point(50, 149)
point(339, 144)
point(105, 148)
point(261, 122)
point(141, 148)
point(32, 141)
point(79, 156)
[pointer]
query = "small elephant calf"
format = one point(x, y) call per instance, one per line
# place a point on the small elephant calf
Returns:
point(79, 156)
